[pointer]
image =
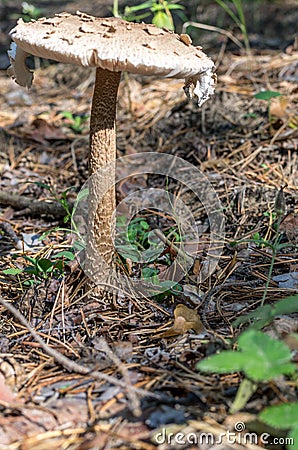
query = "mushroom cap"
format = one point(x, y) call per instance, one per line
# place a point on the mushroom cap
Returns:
point(116, 45)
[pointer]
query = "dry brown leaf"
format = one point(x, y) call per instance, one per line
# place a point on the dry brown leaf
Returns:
point(289, 226)
point(278, 107)
point(185, 319)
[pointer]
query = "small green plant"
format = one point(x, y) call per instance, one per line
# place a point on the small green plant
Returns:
point(275, 218)
point(264, 315)
point(41, 269)
point(62, 200)
point(139, 243)
point(259, 357)
point(30, 12)
point(275, 247)
point(134, 241)
point(69, 217)
point(238, 17)
point(76, 122)
point(160, 12)
point(160, 289)
point(267, 96)
point(284, 417)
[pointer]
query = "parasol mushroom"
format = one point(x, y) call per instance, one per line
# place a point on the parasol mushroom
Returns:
point(111, 45)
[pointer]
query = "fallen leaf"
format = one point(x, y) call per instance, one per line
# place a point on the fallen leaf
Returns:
point(43, 131)
point(185, 319)
point(278, 106)
point(289, 226)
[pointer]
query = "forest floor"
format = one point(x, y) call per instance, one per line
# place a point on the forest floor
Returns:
point(246, 147)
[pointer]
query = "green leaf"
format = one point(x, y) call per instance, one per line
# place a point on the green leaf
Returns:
point(59, 266)
point(67, 115)
point(33, 270)
point(148, 272)
point(225, 362)
point(282, 416)
point(162, 20)
point(171, 286)
point(43, 185)
point(145, 225)
point(286, 306)
point(151, 254)
point(260, 357)
point(82, 195)
point(78, 246)
point(130, 9)
point(28, 258)
point(30, 283)
point(266, 358)
point(65, 254)
point(129, 251)
point(267, 95)
point(265, 314)
point(45, 265)
point(293, 435)
point(12, 271)
point(175, 7)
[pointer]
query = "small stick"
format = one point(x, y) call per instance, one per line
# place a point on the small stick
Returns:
point(32, 206)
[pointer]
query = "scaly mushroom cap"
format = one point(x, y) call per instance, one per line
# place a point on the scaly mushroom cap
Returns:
point(113, 44)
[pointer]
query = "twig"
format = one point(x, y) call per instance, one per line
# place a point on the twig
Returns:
point(8, 229)
point(72, 366)
point(113, 357)
point(203, 26)
point(167, 241)
point(31, 206)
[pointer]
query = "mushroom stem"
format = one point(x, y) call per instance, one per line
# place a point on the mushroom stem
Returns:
point(100, 249)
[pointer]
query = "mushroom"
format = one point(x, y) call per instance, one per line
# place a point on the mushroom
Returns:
point(112, 45)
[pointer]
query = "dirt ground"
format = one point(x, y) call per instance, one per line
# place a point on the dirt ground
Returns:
point(134, 372)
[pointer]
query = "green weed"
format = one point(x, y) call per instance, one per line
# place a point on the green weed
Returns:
point(264, 315)
point(259, 357)
point(284, 417)
point(160, 12)
point(267, 96)
point(77, 123)
point(238, 17)
point(30, 12)
point(137, 242)
point(275, 244)
point(41, 269)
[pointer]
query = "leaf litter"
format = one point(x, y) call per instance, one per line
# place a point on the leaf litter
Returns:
point(151, 344)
